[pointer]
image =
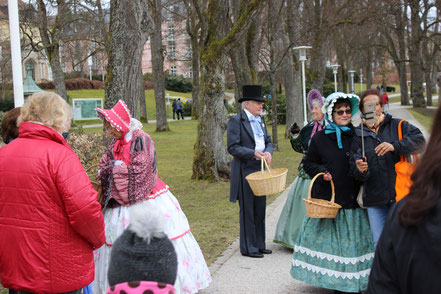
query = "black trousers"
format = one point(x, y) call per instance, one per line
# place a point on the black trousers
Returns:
point(179, 111)
point(251, 215)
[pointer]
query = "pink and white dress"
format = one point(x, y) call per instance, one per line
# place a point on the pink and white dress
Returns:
point(136, 183)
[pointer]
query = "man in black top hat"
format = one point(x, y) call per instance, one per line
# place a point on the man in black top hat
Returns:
point(248, 141)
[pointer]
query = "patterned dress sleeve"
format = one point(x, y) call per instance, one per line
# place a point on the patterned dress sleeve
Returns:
point(135, 182)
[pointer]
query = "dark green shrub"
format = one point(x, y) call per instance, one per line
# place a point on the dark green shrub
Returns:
point(281, 109)
point(187, 108)
point(178, 84)
point(6, 104)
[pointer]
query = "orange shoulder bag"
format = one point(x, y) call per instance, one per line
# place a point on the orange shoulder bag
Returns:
point(404, 169)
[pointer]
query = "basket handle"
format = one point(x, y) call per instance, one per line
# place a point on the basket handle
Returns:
point(312, 182)
point(262, 160)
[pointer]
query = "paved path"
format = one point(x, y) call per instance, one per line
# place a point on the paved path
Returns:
point(234, 273)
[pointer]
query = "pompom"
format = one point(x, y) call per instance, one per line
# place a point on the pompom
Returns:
point(146, 221)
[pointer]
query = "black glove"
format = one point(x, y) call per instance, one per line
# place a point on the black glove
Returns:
point(295, 129)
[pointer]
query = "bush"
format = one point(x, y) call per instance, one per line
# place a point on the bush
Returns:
point(178, 84)
point(148, 76)
point(187, 108)
point(89, 148)
point(281, 109)
point(6, 104)
point(74, 84)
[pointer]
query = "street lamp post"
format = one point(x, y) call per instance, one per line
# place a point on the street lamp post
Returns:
point(90, 63)
point(361, 80)
point(351, 73)
point(335, 71)
point(302, 58)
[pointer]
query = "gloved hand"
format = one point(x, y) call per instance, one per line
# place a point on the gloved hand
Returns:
point(295, 129)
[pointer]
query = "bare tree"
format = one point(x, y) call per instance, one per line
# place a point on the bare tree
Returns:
point(129, 29)
point(157, 50)
point(51, 40)
point(415, 43)
point(244, 54)
point(193, 27)
point(291, 75)
point(211, 160)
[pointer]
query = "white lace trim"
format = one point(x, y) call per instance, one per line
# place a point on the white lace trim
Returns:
point(331, 273)
point(335, 258)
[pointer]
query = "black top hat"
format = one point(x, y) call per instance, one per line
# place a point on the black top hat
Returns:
point(252, 92)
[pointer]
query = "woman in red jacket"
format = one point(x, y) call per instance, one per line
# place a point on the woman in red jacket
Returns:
point(50, 221)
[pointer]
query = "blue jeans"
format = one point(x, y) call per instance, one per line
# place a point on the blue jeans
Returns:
point(377, 217)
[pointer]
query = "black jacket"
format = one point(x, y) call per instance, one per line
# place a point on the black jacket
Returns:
point(407, 261)
point(241, 144)
point(325, 156)
point(379, 180)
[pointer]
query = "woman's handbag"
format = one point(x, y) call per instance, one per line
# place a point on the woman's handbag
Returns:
point(404, 169)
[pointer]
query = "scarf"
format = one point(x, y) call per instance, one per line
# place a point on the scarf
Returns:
point(121, 150)
point(317, 127)
point(255, 121)
point(334, 128)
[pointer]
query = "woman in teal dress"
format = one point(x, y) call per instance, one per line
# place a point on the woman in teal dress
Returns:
point(334, 253)
point(291, 218)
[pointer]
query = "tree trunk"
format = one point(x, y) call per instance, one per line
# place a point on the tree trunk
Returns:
point(290, 74)
point(142, 105)
point(403, 84)
point(211, 160)
point(196, 76)
point(429, 85)
point(158, 68)
point(369, 69)
point(243, 60)
point(318, 49)
point(128, 34)
point(241, 71)
point(274, 136)
point(52, 43)
point(417, 91)
point(402, 69)
point(57, 72)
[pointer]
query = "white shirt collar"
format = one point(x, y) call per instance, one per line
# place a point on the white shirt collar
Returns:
point(250, 115)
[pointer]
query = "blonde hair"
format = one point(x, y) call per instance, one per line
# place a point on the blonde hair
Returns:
point(47, 108)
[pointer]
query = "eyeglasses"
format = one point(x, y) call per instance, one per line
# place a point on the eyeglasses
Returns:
point(341, 112)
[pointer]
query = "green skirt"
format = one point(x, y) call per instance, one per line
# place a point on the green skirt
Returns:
point(335, 253)
point(293, 213)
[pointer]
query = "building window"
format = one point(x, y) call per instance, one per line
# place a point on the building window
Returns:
point(171, 54)
point(189, 53)
point(173, 70)
point(171, 33)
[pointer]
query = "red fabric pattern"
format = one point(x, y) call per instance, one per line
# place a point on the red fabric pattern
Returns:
point(129, 184)
point(49, 217)
point(121, 151)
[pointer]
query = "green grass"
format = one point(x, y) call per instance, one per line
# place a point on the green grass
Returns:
point(424, 116)
point(213, 219)
point(149, 98)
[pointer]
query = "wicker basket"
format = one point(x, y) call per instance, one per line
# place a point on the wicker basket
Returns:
point(267, 182)
point(319, 208)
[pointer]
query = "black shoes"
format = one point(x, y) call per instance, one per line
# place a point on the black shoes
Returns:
point(258, 254)
point(265, 251)
point(253, 254)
